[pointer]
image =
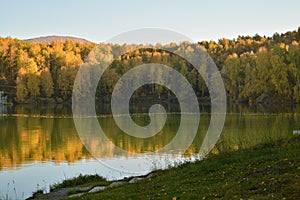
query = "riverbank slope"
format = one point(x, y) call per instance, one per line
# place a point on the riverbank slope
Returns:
point(266, 171)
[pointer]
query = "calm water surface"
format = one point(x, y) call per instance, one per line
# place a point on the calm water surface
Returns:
point(40, 146)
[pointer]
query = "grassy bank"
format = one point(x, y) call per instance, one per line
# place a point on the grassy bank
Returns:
point(266, 171)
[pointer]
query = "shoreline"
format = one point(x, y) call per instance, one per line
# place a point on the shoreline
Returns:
point(264, 164)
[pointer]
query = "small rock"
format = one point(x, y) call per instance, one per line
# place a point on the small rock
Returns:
point(117, 183)
point(76, 195)
point(150, 175)
point(97, 189)
point(136, 179)
point(83, 189)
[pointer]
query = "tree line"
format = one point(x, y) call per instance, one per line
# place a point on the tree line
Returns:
point(255, 69)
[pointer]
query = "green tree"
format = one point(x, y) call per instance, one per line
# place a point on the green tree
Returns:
point(264, 86)
point(22, 92)
point(233, 73)
point(279, 73)
point(46, 83)
point(33, 85)
point(65, 81)
point(294, 68)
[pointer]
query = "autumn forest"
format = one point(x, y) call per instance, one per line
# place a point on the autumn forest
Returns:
point(254, 69)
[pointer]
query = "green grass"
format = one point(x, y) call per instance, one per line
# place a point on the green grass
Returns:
point(82, 180)
point(266, 171)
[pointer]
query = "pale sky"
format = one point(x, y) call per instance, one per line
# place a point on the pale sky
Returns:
point(98, 21)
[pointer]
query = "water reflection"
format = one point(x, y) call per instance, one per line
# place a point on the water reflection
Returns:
point(31, 138)
point(45, 138)
point(247, 130)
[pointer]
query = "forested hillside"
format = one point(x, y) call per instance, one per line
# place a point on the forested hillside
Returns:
point(254, 69)
point(50, 39)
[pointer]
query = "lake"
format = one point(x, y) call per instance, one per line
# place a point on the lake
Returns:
point(40, 146)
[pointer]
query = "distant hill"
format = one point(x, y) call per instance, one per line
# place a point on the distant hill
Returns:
point(50, 39)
